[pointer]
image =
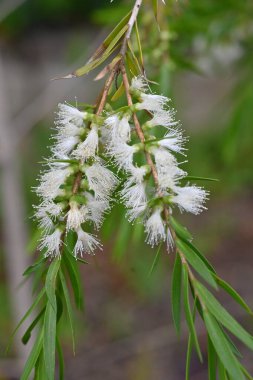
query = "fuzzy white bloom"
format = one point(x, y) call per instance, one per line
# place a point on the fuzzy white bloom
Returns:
point(138, 173)
point(134, 213)
point(88, 148)
point(52, 243)
point(70, 115)
point(165, 118)
point(96, 209)
point(65, 145)
point(51, 181)
point(173, 140)
point(155, 228)
point(67, 130)
point(167, 169)
point(139, 83)
point(123, 154)
point(86, 243)
point(190, 199)
point(48, 207)
point(152, 102)
point(101, 180)
point(134, 195)
point(46, 224)
point(119, 128)
point(76, 216)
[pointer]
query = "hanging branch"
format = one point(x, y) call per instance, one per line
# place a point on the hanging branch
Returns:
point(77, 189)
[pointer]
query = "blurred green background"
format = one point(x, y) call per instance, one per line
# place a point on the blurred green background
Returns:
point(202, 57)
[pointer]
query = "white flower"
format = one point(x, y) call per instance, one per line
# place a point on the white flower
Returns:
point(165, 118)
point(167, 169)
point(96, 209)
point(86, 243)
point(48, 207)
point(67, 130)
point(65, 145)
point(101, 180)
point(134, 213)
point(51, 181)
point(119, 128)
point(134, 193)
point(173, 140)
point(139, 83)
point(76, 216)
point(155, 229)
point(46, 224)
point(68, 114)
point(123, 154)
point(152, 102)
point(88, 148)
point(190, 199)
point(52, 243)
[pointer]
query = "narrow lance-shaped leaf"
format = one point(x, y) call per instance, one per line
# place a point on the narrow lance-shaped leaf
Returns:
point(50, 283)
point(188, 313)
point(212, 360)
point(222, 347)
point(224, 317)
point(197, 263)
point(176, 293)
point(49, 338)
point(33, 357)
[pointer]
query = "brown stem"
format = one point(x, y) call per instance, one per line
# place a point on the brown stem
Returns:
point(131, 22)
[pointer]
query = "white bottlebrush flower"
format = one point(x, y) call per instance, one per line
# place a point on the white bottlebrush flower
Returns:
point(167, 169)
point(46, 224)
point(155, 228)
point(52, 243)
point(165, 118)
point(48, 207)
point(119, 128)
point(152, 102)
point(123, 154)
point(86, 243)
point(136, 212)
point(76, 216)
point(88, 148)
point(173, 140)
point(101, 180)
point(96, 209)
point(134, 192)
point(139, 83)
point(51, 181)
point(68, 114)
point(65, 145)
point(190, 199)
point(67, 130)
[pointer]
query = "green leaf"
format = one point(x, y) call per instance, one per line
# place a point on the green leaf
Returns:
point(211, 360)
point(131, 64)
point(34, 304)
point(32, 358)
point(197, 263)
point(156, 260)
point(221, 371)
point(68, 306)
point(180, 230)
point(139, 45)
point(224, 317)
point(222, 347)
point(199, 254)
point(155, 9)
point(60, 359)
point(40, 370)
point(188, 313)
point(246, 373)
point(233, 293)
point(188, 357)
point(50, 283)
point(32, 268)
point(49, 338)
point(74, 276)
point(176, 293)
point(27, 334)
point(118, 93)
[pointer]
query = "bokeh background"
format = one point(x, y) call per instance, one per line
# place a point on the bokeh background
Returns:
point(203, 60)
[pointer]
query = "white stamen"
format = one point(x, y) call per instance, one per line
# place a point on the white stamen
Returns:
point(88, 148)
point(52, 243)
point(190, 199)
point(68, 114)
point(119, 128)
point(75, 216)
point(101, 180)
point(51, 181)
point(86, 243)
point(155, 229)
